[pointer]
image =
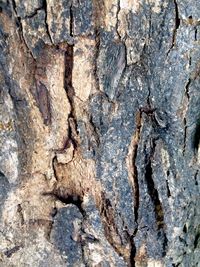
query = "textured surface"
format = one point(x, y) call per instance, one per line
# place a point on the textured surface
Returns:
point(99, 133)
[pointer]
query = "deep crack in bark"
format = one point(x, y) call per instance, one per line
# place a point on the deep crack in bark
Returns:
point(167, 185)
point(111, 232)
point(46, 22)
point(187, 96)
point(71, 22)
point(195, 177)
point(133, 176)
point(97, 46)
point(68, 85)
point(34, 13)
point(135, 171)
point(117, 18)
point(21, 29)
point(153, 193)
point(176, 26)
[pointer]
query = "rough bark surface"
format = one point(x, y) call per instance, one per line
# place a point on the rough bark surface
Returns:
point(99, 133)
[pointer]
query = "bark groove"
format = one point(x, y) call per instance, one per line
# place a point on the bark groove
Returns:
point(99, 133)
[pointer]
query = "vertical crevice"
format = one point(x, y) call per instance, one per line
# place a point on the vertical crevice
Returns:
point(97, 49)
point(117, 18)
point(190, 61)
point(195, 177)
point(133, 177)
point(132, 251)
point(187, 89)
point(167, 184)
point(148, 98)
point(196, 241)
point(71, 20)
point(107, 213)
point(195, 34)
point(185, 135)
point(135, 171)
point(152, 191)
point(176, 26)
point(112, 234)
point(54, 162)
point(187, 97)
point(154, 196)
point(21, 32)
point(46, 21)
point(196, 139)
point(177, 19)
point(68, 85)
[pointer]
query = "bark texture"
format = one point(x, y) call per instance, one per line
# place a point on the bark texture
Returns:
point(99, 133)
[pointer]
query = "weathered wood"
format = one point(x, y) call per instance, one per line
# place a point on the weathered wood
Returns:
point(99, 133)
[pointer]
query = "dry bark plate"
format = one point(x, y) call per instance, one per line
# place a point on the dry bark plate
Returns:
point(99, 133)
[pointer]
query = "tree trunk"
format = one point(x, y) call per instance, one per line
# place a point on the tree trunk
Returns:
point(99, 133)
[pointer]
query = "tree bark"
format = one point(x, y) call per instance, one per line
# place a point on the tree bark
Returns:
point(99, 133)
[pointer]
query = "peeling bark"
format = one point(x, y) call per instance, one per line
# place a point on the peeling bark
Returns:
point(99, 133)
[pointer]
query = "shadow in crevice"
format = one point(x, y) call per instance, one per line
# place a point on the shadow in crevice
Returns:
point(196, 138)
point(157, 204)
point(65, 196)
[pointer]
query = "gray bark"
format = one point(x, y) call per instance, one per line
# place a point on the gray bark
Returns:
point(99, 133)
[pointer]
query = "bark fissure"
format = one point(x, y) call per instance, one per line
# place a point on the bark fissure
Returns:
point(135, 171)
point(71, 22)
point(195, 34)
point(80, 81)
point(196, 138)
point(185, 135)
point(133, 176)
point(195, 177)
point(69, 199)
point(133, 252)
point(187, 96)
point(176, 26)
point(111, 232)
point(154, 195)
point(54, 162)
point(187, 89)
point(46, 21)
point(97, 50)
point(117, 18)
point(34, 13)
point(68, 85)
point(167, 185)
point(196, 241)
point(21, 34)
point(177, 18)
